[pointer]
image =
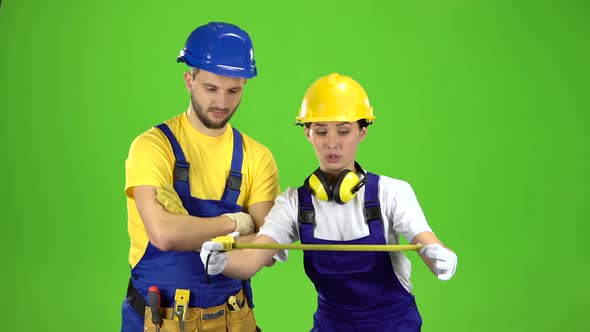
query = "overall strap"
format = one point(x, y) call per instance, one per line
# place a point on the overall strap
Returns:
point(306, 216)
point(234, 181)
point(181, 166)
point(372, 208)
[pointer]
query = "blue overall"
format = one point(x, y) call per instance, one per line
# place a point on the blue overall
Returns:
point(170, 270)
point(357, 291)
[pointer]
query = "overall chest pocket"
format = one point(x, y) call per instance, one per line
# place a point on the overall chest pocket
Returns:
point(342, 262)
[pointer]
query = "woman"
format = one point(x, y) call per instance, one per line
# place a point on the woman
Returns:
point(340, 203)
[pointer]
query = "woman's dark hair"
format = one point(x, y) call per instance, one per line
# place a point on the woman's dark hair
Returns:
point(362, 123)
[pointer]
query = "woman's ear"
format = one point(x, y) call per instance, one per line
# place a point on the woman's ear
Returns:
point(307, 133)
point(363, 134)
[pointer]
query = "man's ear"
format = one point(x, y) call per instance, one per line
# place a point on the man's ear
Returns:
point(188, 81)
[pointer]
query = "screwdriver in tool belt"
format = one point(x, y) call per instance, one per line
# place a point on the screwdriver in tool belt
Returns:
point(154, 302)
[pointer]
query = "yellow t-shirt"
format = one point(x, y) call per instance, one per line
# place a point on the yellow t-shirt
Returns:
point(151, 162)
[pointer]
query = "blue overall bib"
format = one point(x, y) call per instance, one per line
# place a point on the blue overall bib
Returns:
point(170, 270)
point(357, 291)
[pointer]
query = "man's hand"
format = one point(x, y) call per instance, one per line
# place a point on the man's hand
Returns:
point(445, 261)
point(244, 222)
point(169, 198)
point(217, 258)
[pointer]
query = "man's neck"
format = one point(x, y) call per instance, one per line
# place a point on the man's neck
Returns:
point(199, 126)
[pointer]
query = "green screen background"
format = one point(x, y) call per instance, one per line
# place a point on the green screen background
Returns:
point(481, 105)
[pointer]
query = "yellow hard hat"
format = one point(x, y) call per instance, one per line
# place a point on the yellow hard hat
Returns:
point(335, 98)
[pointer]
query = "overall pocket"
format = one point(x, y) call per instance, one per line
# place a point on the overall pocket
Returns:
point(337, 263)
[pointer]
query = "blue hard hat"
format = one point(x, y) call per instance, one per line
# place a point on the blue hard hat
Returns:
point(220, 48)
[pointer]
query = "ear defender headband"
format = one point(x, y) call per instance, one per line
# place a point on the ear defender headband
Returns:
point(344, 189)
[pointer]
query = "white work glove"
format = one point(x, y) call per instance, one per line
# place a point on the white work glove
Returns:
point(244, 222)
point(218, 258)
point(445, 261)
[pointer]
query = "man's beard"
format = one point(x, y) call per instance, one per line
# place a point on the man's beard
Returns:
point(202, 114)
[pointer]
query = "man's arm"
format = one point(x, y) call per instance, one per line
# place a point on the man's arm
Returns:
point(258, 212)
point(169, 231)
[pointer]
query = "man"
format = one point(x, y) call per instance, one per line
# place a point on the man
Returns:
point(342, 204)
point(226, 182)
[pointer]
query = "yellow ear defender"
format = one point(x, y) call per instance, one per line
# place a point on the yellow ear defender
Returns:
point(344, 189)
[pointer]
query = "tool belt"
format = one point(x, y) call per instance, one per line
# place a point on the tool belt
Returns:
point(221, 318)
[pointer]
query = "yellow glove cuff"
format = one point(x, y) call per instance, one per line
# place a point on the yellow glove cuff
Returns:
point(168, 197)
